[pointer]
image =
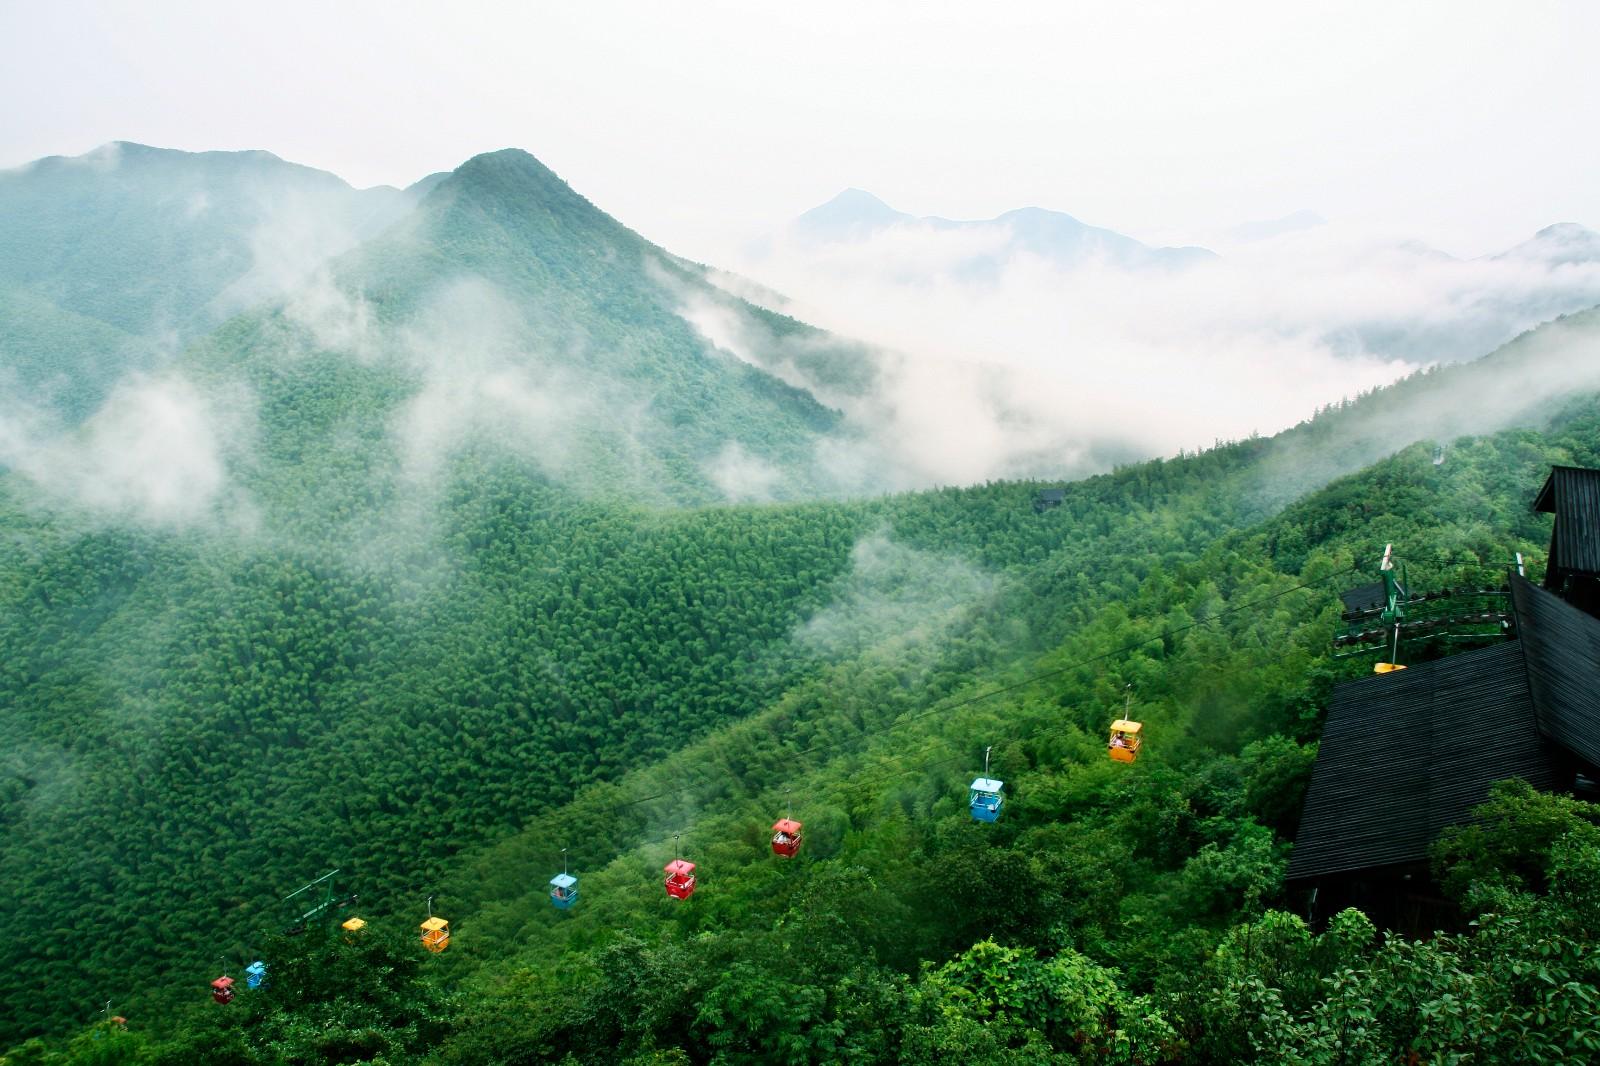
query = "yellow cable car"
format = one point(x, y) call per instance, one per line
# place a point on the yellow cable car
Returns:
point(436, 934)
point(352, 926)
point(1386, 668)
point(1125, 740)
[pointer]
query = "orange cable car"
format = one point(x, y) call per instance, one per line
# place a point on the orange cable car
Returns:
point(435, 931)
point(435, 934)
point(1125, 733)
point(222, 989)
point(1125, 740)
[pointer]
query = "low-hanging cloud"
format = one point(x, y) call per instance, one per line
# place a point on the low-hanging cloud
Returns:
point(894, 597)
point(156, 452)
point(742, 477)
point(1043, 369)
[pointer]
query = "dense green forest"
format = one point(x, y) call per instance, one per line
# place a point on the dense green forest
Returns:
point(1107, 884)
point(463, 605)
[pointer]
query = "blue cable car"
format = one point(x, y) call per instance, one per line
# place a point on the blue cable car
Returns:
point(985, 798)
point(563, 886)
point(255, 975)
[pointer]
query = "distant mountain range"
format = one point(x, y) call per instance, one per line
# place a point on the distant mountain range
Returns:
point(855, 215)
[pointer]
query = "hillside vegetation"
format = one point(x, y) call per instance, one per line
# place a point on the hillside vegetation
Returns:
point(246, 716)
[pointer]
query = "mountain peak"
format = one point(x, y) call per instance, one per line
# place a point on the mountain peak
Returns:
point(511, 181)
point(858, 198)
point(853, 213)
point(1038, 216)
point(1565, 231)
point(509, 165)
point(1559, 244)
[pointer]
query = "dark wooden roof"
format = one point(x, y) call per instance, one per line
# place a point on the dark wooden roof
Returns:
point(1562, 650)
point(1572, 494)
point(1048, 498)
point(1365, 597)
point(1404, 755)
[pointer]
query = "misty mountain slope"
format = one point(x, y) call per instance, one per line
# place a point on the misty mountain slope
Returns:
point(147, 238)
point(509, 313)
point(164, 244)
point(63, 361)
point(1525, 383)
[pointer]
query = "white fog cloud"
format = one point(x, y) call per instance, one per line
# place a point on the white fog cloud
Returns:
point(741, 476)
point(1047, 371)
point(894, 597)
point(156, 452)
point(483, 376)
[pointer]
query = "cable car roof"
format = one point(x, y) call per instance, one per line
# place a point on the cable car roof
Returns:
point(563, 880)
point(786, 825)
point(434, 924)
point(987, 784)
point(680, 867)
point(1123, 725)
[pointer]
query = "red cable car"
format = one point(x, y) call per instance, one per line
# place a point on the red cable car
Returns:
point(785, 837)
point(680, 879)
point(222, 989)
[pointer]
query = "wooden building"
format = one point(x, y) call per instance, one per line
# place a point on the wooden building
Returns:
point(1048, 500)
point(1405, 755)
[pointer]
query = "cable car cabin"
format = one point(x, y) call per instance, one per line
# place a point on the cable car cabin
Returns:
point(255, 975)
point(680, 879)
point(351, 927)
point(436, 934)
point(1125, 740)
point(785, 837)
point(563, 890)
point(985, 799)
point(1386, 668)
point(222, 989)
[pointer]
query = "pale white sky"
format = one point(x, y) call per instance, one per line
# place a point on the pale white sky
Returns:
point(1467, 125)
